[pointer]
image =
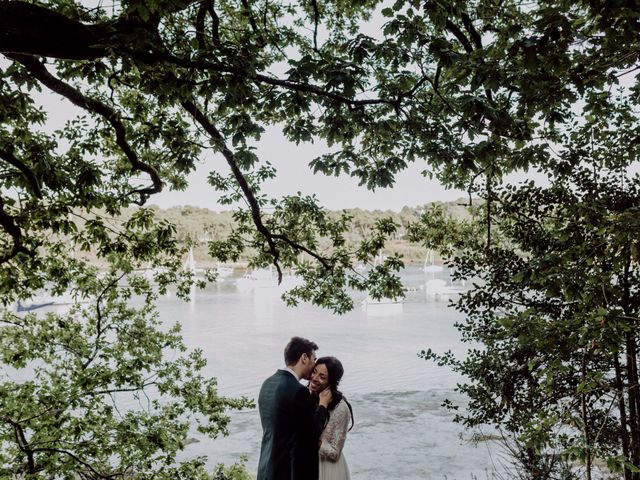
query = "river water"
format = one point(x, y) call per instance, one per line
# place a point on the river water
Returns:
point(401, 430)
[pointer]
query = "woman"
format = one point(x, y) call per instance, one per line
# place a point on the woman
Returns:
point(327, 373)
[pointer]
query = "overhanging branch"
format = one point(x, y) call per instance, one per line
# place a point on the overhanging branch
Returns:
point(39, 71)
point(31, 30)
point(7, 222)
point(254, 25)
point(453, 28)
point(256, 215)
point(27, 28)
point(302, 248)
point(11, 159)
point(157, 57)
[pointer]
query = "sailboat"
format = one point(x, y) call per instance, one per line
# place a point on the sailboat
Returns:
point(222, 271)
point(430, 267)
point(190, 263)
point(434, 288)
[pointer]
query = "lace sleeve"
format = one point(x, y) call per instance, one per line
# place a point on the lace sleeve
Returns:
point(335, 433)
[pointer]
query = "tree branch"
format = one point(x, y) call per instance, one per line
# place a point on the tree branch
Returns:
point(256, 215)
point(215, 26)
point(8, 157)
point(261, 41)
point(442, 97)
point(39, 71)
point(23, 444)
point(30, 29)
point(475, 37)
point(473, 33)
point(7, 222)
point(316, 19)
point(77, 459)
point(436, 77)
point(489, 212)
point(297, 246)
point(202, 13)
point(207, 6)
point(154, 57)
point(453, 28)
point(33, 30)
point(99, 316)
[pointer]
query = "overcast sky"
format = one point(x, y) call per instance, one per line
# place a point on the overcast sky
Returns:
point(294, 175)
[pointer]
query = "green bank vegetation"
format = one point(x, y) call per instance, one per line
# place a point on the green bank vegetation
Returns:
point(198, 226)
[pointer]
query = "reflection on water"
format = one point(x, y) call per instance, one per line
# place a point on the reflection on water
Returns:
point(401, 431)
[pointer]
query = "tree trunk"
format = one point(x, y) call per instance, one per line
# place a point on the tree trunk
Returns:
point(30, 29)
point(634, 400)
point(624, 432)
point(632, 370)
point(585, 418)
point(34, 30)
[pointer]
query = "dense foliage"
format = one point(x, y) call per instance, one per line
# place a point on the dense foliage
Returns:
point(198, 226)
point(556, 305)
point(476, 89)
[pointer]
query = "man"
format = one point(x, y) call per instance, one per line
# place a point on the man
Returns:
point(291, 423)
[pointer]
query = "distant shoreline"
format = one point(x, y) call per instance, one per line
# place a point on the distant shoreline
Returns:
point(200, 226)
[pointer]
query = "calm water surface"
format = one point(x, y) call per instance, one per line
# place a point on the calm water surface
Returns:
point(401, 431)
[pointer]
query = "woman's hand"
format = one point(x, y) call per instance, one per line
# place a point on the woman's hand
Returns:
point(325, 397)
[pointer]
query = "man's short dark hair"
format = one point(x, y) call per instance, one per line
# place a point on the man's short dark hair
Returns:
point(296, 347)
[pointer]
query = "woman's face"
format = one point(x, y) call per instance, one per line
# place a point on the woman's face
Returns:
point(319, 378)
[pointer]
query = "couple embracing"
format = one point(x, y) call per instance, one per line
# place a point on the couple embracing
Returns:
point(304, 427)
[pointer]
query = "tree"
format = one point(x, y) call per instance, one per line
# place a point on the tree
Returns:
point(472, 87)
point(555, 304)
point(458, 84)
point(75, 400)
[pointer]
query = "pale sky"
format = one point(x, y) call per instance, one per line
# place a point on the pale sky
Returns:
point(294, 175)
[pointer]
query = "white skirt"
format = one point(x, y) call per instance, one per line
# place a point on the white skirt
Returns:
point(334, 470)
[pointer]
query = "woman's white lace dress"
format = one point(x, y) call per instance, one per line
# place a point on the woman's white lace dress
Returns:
point(333, 466)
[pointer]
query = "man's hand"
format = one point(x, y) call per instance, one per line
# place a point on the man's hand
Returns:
point(325, 397)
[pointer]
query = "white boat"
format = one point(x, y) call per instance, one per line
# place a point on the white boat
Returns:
point(190, 266)
point(429, 267)
point(47, 299)
point(439, 289)
point(223, 272)
point(383, 306)
point(31, 304)
point(266, 280)
point(150, 273)
point(257, 278)
point(190, 263)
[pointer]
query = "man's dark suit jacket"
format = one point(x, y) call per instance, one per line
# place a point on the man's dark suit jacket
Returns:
point(291, 427)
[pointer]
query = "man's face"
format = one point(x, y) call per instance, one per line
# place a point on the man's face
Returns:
point(309, 361)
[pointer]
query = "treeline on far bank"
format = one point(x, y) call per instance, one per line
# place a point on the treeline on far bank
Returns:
point(201, 225)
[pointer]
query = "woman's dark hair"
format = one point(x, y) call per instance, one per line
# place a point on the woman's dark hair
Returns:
point(335, 371)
